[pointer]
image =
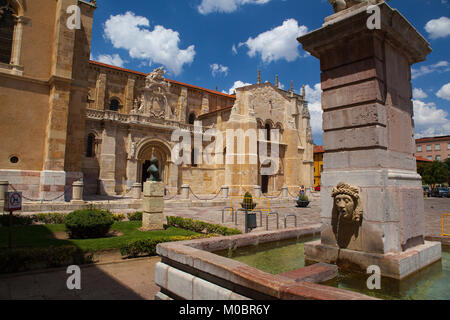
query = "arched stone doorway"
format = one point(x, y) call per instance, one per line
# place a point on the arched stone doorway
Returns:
point(159, 150)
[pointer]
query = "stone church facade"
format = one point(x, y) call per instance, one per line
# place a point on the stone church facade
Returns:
point(66, 118)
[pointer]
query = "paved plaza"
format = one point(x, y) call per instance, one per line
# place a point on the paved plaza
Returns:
point(134, 279)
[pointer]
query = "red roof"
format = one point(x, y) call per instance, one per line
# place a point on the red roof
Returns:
point(433, 139)
point(422, 159)
point(318, 149)
point(172, 81)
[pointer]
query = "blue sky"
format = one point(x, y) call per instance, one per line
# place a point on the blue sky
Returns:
point(223, 43)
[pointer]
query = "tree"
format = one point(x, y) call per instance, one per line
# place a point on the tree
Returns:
point(433, 173)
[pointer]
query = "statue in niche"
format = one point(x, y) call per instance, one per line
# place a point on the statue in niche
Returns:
point(347, 213)
point(133, 150)
point(340, 5)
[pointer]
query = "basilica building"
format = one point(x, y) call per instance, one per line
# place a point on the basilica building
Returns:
point(66, 118)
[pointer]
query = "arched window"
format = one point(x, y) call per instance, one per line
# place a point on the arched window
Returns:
point(114, 105)
point(7, 23)
point(268, 131)
point(90, 146)
point(192, 118)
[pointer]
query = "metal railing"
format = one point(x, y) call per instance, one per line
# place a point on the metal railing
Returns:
point(262, 204)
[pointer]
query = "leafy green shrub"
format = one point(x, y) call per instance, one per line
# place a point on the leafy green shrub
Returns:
point(200, 226)
point(49, 218)
point(119, 217)
point(248, 202)
point(137, 216)
point(302, 197)
point(24, 259)
point(147, 247)
point(88, 223)
point(18, 220)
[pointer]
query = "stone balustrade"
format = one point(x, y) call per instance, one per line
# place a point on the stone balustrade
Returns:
point(141, 119)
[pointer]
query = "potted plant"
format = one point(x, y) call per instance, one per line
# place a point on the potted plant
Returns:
point(302, 200)
point(248, 203)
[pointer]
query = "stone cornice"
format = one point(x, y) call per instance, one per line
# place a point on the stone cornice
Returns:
point(394, 27)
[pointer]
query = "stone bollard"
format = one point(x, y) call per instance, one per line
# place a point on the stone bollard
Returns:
point(258, 193)
point(77, 192)
point(153, 215)
point(137, 191)
point(185, 192)
point(3, 189)
point(285, 192)
point(225, 192)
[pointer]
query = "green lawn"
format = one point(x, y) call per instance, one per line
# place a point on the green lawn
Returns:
point(43, 236)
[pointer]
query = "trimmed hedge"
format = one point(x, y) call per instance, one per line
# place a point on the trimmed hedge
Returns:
point(18, 220)
point(88, 223)
point(49, 218)
point(24, 259)
point(137, 216)
point(147, 247)
point(200, 226)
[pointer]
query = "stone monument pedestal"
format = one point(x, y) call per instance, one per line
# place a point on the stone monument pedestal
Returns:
point(369, 143)
point(153, 215)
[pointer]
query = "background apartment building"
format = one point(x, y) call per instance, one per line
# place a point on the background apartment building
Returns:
point(434, 148)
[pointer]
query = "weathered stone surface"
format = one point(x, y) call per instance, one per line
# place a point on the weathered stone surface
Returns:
point(152, 221)
point(153, 204)
point(393, 265)
point(153, 189)
point(316, 273)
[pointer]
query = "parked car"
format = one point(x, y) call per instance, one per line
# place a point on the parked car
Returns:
point(426, 191)
point(440, 192)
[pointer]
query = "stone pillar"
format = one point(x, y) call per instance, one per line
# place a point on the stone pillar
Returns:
point(173, 178)
point(369, 142)
point(225, 191)
point(284, 192)
point(77, 192)
point(3, 190)
point(257, 190)
point(129, 95)
point(137, 191)
point(185, 192)
point(153, 215)
point(107, 174)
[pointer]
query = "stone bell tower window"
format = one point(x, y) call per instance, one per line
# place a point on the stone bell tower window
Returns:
point(114, 105)
point(7, 23)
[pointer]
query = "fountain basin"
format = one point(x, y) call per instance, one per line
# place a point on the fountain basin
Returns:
point(430, 283)
point(190, 270)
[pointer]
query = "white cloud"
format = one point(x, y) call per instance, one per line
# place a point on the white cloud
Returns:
point(234, 50)
point(114, 60)
point(225, 6)
point(278, 43)
point(441, 66)
point(430, 120)
point(314, 99)
point(218, 68)
point(237, 84)
point(444, 92)
point(438, 28)
point(419, 94)
point(160, 45)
